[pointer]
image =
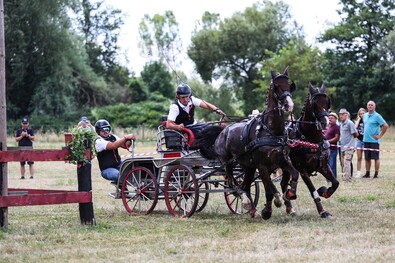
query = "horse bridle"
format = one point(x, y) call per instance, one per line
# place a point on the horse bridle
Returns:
point(322, 113)
point(285, 94)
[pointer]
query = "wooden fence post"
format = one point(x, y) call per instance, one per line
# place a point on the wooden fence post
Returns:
point(84, 174)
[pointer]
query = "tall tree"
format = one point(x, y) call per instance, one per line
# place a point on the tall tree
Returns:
point(384, 72)
point(39, 47)
point(234, 48)
point(160, 39)
point(157, 78)
point(100, 26)
point(350, 66)
point(304, 64)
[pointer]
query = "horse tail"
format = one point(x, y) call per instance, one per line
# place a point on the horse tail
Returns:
point(205, 141)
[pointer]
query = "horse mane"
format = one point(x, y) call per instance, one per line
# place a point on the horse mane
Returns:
point(267, 94)
point(305, 105)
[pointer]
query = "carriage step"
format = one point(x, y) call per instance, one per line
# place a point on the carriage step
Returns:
point(119, 195)
point(115, 195)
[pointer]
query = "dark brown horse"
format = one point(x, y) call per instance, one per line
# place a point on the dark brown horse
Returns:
point(310, 150)
point(260, 143)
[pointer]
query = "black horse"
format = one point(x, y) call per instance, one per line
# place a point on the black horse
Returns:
point(260, 143)
point(310, 150)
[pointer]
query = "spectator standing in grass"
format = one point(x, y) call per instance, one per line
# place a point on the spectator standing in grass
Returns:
point(332, 134)
point(25, 138)
point(374, 129)
point(359, 125)
point(347, 139)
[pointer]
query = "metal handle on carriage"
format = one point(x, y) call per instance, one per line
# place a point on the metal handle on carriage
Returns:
point(131, 148)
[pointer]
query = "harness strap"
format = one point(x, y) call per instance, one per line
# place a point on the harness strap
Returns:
point(266, 141)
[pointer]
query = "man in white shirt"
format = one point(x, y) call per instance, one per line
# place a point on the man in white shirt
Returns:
point(182, 110)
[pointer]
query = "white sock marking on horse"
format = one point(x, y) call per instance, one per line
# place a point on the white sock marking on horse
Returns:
point(290, 104)
point(245, 201)
point(316, 195)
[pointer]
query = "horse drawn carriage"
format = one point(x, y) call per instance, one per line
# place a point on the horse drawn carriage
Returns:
point(233, 160)
point(181, 177)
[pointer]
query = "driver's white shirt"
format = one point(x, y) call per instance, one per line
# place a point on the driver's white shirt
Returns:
point(174, 110)
point(101, 143)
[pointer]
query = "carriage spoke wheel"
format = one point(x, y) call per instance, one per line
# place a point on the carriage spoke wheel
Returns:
point(140, 191)
point(181, 191)
point(204, 187)
point(234, 202)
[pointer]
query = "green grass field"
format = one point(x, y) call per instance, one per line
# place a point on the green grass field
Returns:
point(362, 228)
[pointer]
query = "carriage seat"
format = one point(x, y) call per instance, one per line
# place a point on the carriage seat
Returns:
point(175, 140)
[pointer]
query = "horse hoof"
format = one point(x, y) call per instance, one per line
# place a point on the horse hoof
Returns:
point(325, 214)
point(277, 200)
point(266, 214)
point(290, 211)
point(254, 214)
point(245, 201)
point(322, 191)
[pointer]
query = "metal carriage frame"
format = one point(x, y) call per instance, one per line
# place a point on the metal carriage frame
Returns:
point(180, 176)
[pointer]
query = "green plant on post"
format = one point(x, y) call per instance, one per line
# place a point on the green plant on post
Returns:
point(82, 140)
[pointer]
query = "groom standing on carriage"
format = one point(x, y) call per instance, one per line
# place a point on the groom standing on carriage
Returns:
point(182, 110)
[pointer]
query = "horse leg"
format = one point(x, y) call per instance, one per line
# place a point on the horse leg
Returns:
point(269, 193)
point(284, 185)
point(277, 195)
point(328, 192)
point(247, 202)
point(314, 194)
point(232, 181)
point(290, 194)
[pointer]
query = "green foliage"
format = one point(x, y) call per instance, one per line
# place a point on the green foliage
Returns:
point(233, 48)
point(38, 57)
point(304, 66)
point(148, 112)
point(157, 78)
point(159, 37)
point(82, 140)
point(224, 98)
point(53, 70)
point(100, 25)
point(350, 65)
point(138, 90)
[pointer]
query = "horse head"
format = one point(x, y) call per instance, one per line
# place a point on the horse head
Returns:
point(320, 104)
point(282, 90)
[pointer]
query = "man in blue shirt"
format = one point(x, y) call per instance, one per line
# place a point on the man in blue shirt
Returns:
point(375, 127)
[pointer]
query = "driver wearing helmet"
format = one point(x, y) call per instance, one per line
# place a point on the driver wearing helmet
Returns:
point(106, 146)
point(182, 110)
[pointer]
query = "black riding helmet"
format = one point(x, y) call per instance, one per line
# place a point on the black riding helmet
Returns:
point(183, 90)
point(100, 124)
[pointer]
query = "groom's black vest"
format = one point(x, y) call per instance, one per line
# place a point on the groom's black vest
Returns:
point(185, 117)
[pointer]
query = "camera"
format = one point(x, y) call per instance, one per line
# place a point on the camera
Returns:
point(24, 130)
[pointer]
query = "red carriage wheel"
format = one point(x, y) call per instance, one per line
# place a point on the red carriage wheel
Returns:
point(181, 191)
point(140, 191)
point(204, 188)
point(234, 202)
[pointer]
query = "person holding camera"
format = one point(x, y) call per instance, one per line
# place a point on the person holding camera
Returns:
point(25, 138)
point(84, 123)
